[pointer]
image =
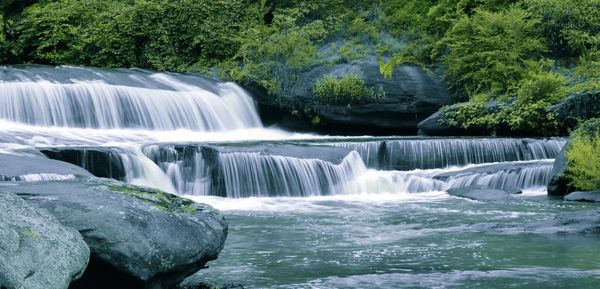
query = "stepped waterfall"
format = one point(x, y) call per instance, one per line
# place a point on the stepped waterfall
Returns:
point(126, 120)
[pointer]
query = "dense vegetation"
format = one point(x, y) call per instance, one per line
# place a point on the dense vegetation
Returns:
point(512, 60)
point(583, 156)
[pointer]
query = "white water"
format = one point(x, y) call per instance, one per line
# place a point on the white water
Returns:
point(40, 177)
point(95, 104)
point(129, 109)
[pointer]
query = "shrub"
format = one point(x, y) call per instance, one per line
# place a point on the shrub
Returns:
point(583, 156)
point(345, 90)
point(541, 86)
point(488, 51)
point(159, 34)
point(571, 26)
point(469, 115)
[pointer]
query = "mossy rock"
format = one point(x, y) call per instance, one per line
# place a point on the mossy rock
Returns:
point(139, 237)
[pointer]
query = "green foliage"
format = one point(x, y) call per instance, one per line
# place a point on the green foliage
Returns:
point(468, 115)
point(345, 90)
point(531, 118)
point(488, 51)
point(274, 54)
point(160, 34)
point(541, 86)
point(516, 117)
point(30, 234)
point(571, 26)
point(583, 156)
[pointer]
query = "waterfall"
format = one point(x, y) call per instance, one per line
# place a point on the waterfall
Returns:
point(254, 174)
point(185, 168)
point(139, 170)
point(528, 177)
point(410, 154)
point(245, 173)
point(154, 101)
point(115, 123)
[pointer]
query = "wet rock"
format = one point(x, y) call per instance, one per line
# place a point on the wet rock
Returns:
point(139, 238)
point(36, 251)
point(559, 183)
point(582, 222)
point(580, 106)
point(411, 95)
point(25, 167)
point(101, 162)
point(482, 194)
point(583, 196)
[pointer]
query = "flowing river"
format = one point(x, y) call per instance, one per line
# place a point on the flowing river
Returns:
point(307, 211)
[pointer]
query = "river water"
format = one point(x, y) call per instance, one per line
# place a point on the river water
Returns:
point(307, 211)
point(424, 240)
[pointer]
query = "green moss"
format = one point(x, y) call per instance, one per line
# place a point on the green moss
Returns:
point(30, 234)
point(161, 200)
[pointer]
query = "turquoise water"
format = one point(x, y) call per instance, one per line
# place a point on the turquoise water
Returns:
point(426, 240)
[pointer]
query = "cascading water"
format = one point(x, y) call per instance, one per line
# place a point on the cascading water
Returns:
point(245, 173)
point(122, 117)
point(164, 103)
point(253, 174)
point(409, 154)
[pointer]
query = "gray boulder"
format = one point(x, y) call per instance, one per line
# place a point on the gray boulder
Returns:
point(25, 167)
point(559, 183)
point(139, 238)
point(583, 196)
point(411, 95)
point(36, 251)
point(580, 106)
point(482, 194)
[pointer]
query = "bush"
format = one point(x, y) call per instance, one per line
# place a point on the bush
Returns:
point(541, 86)
point(583, 156)
point(571, 26)
point(348, 89)
point(159, 34)
point(488, 51)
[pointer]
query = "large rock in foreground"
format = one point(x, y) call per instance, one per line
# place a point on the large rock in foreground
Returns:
point(139, 238)
point(36, 251)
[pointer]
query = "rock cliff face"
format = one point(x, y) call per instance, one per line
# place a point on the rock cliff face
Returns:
point(411, 94)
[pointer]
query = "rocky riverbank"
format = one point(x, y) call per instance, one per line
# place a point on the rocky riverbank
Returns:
point(133, 237)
